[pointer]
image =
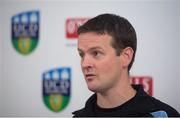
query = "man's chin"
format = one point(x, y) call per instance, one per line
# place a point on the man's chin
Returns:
point(92, 88)
point(95, 89)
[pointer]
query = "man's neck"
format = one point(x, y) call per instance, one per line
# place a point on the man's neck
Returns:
point(116, 96)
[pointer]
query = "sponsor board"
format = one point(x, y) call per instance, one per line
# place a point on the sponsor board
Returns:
point(145, 81)
point(72, 25)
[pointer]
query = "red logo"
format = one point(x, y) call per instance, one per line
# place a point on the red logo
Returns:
point(71, 26)
point(145, 81)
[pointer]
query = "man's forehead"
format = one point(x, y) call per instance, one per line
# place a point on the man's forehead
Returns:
point(94, 35)
point(89, 48)
point(88, 39)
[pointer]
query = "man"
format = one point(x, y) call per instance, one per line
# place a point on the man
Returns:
point(107, 47)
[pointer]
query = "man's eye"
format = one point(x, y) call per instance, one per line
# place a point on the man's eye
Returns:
point(81, 55)
point(96, 53)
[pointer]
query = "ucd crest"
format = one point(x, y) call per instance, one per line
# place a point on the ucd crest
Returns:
point(25, 31)
point(57, 88)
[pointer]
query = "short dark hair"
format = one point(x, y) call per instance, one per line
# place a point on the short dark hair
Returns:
point(122, 32)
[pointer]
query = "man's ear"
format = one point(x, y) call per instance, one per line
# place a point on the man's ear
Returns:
point(126, 56)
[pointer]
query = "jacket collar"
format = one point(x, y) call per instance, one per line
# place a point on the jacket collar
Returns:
point(141, 99)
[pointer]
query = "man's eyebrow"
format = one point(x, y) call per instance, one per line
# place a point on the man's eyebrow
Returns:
point(79, 50)
point(93, 48)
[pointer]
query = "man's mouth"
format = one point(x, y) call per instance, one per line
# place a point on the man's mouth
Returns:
point(89, 77)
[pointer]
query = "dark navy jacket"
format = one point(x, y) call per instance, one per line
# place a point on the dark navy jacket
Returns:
point(142, 105)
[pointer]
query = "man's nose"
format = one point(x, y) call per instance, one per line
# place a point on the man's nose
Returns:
point(86, 62)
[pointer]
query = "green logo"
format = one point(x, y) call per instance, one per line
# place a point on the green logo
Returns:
point(56, 88)
point(25, 31)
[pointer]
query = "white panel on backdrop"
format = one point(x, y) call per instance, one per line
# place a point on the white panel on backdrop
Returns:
point(1, 95)
point(0, 59)
point(158, 32)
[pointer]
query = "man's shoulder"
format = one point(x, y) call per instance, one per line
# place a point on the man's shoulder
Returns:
point(88, 109)
point(149, 105)
point(79, 113)
point(163, 107)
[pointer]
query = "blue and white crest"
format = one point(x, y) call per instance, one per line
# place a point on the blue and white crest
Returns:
point(25, 31)
point(57, 88)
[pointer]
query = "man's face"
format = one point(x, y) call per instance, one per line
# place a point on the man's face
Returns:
point(100, 64)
